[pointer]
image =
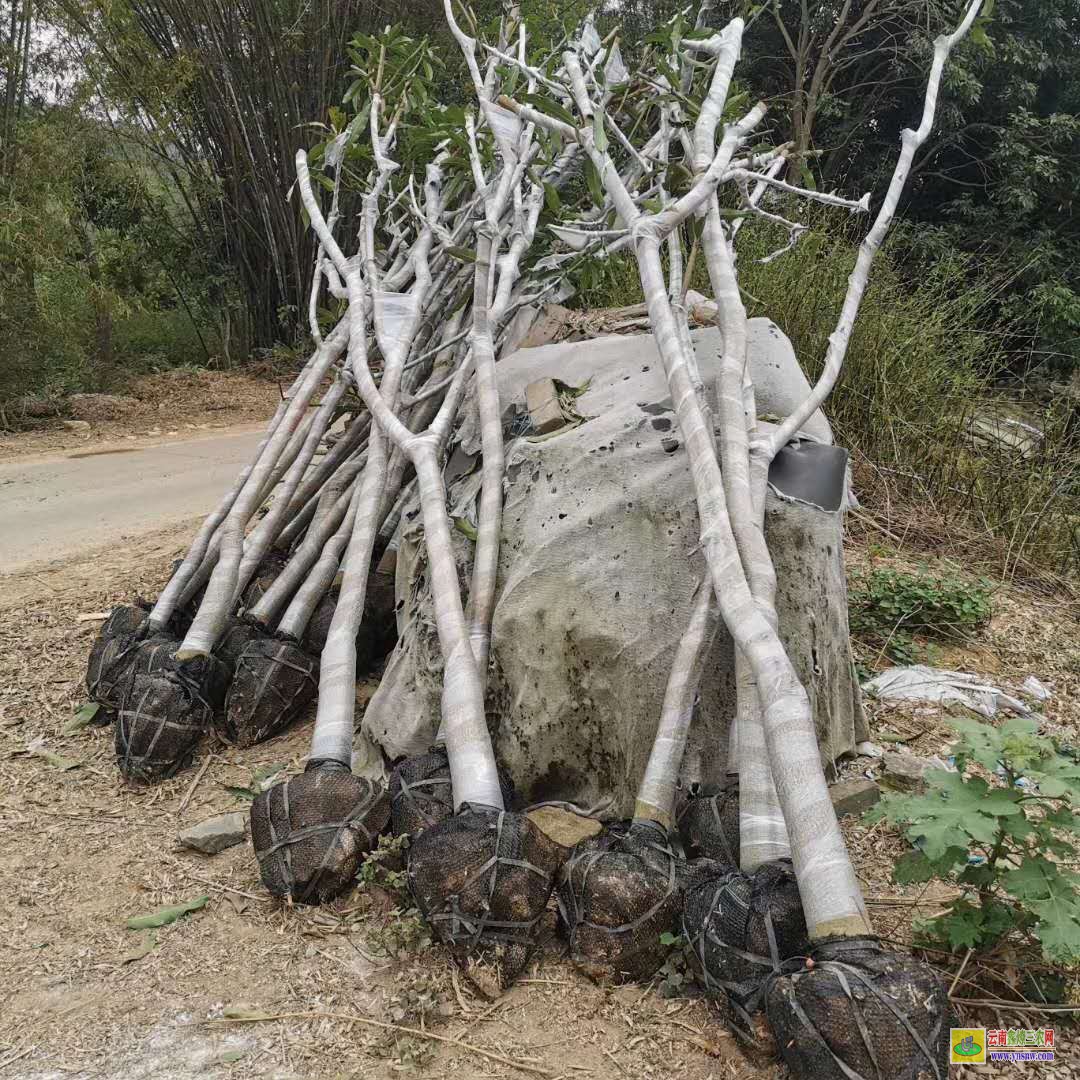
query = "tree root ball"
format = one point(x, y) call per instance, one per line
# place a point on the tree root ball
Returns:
point(483, 878)
point(421, 794)
point(273, 682)
point(708, 821)
point(743, 927)
point(167, 708)
point(116, 635)
point(238, 635)
point(311, 832)
point(271, 564)
point(378, 630)
point(618, 893)
point(124, 658)
point(861, 1010)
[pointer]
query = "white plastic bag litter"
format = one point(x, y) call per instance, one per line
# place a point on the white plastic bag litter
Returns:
point(922, 683)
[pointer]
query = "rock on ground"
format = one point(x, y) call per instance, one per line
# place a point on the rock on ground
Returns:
point(215, 834)
point(854, 796)
point(907, 772)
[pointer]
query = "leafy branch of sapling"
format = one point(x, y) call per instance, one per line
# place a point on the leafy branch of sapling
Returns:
point(1003, 841)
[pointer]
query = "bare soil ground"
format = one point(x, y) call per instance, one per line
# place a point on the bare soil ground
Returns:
point(326, 991)
point(170, 405)
point(81, 853)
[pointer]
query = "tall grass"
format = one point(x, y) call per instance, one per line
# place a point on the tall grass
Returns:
point(920, 368)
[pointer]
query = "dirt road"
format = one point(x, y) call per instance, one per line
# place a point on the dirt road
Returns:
point(52, 507)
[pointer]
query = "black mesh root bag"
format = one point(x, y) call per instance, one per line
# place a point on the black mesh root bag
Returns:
point(122, 659)
point(742, 929)
point(271, 564)
point(238, 635)
point(859, 1013)
point(118, 633)
point(167, 708)
point(618, 892)
point(708, 820)
point(378, 629)
point(311, 832)
point(421, 793)
point(273, 682)
point(483, 878)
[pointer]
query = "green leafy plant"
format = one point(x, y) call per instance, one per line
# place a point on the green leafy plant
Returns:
point(678, 972)
point(402, 934)
point(385, 867)
point(1003, 829)
point(889, 607)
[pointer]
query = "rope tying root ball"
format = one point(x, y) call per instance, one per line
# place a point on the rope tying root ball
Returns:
point(311, 832)
point(421, 794)
point(861, 1012)
point(167, 708)
point(117, 634)
point(482, 878)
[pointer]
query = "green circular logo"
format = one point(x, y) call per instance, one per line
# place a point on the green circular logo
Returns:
point(967, 1047)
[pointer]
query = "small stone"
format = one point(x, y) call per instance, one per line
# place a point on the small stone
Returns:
point(76, 425)
point(906, 772)
point(215, 834)
point(564, 826)
point(854, 797)
point(542, 399)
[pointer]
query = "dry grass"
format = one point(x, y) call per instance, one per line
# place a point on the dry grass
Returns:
point(175, 404)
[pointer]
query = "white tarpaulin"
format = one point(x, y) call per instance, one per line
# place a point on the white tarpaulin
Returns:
point(598, 565)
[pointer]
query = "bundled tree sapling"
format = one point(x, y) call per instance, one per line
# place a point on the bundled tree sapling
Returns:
point(838, 928)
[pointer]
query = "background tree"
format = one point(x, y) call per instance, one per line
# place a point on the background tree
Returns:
point(223, 95)
point(999, 179)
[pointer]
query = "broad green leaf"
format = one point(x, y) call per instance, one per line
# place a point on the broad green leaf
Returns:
point(1051, 896)
point(83, 716)
point(592, 178)
point(166, 915)
point(599, 133)
point(551, 198)
point(57, 761)
point(264, 773)
point(963, 929)
point(549, 108)
point(952, 813)
point(243, 1012)
point(915, 868)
